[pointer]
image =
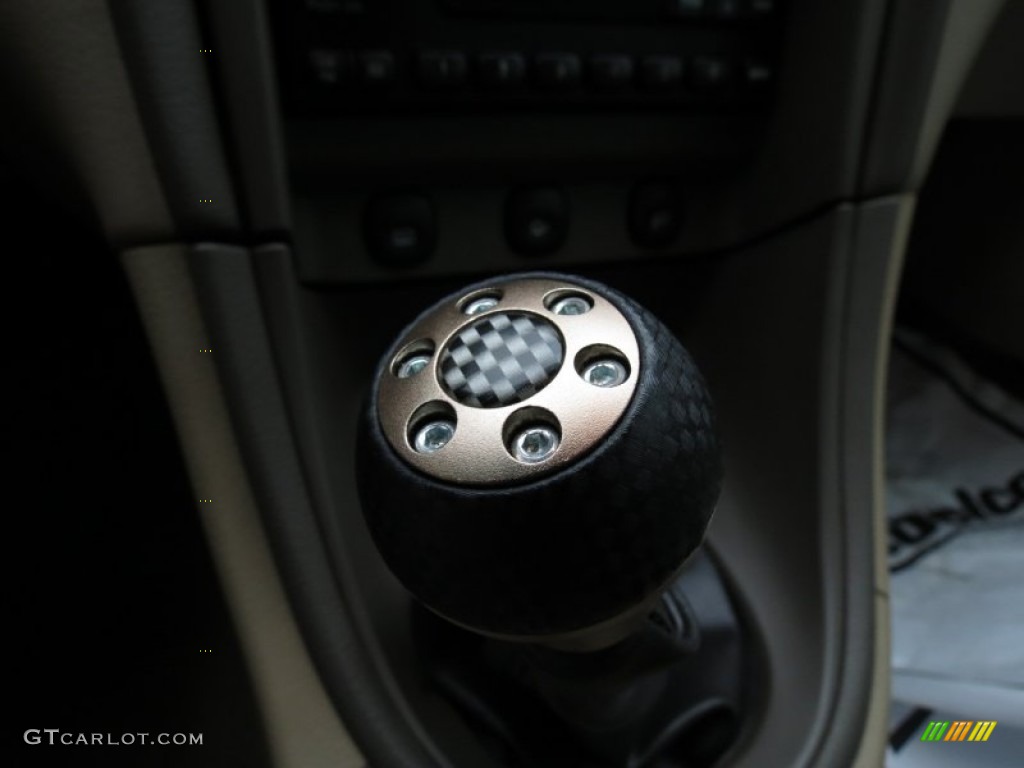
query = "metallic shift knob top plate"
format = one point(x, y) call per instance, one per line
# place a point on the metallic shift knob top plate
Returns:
point(520, 380)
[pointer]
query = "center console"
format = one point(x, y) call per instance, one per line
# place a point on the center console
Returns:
point(469, 128)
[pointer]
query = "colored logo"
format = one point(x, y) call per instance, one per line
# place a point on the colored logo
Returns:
point(959, 730)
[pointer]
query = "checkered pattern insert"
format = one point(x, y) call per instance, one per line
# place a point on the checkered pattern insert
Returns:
point(501, 359)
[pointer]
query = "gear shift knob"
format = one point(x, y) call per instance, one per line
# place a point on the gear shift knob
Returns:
point(537, 458)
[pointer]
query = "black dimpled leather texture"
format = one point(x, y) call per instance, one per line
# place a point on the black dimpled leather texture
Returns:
point(571, 549)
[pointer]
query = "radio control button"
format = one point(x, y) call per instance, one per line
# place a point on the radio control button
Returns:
point(375, 68)
point(329, 67)
point(400, 229)
point(725, 10)
point(501, 69)
point(337, 7)
point(558, 71)
point(611, 71)
point(710, 73)
point(760, 9)
point(655, 214)
point(442, 69)
point(536, 220)
point(757, 74)
point(661, 72)
point(685, 9)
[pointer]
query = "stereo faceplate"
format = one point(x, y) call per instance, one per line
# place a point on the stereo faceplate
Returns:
point(352, 56)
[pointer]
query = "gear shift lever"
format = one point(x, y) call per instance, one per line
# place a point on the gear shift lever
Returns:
point(538, 459)
point(536, 463)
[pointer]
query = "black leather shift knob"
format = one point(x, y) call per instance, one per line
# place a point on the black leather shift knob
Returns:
point(537, 456)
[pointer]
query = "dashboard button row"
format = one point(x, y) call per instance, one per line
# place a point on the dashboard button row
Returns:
point(721, 10)
point(554, 71)
point(400, 229)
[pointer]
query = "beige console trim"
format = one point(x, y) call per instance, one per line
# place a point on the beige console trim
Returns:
point(303, 729)
point(74, 93)
point(891, 237)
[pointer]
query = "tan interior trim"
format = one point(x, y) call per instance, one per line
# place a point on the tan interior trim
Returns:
point(887, 268)
point(82, 105)
point(303, 729)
